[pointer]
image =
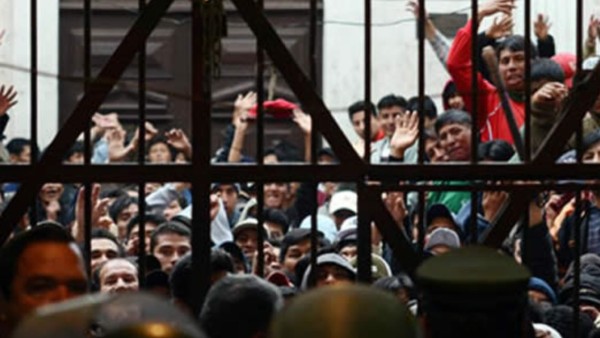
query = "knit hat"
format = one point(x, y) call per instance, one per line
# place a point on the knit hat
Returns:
point(540, 285)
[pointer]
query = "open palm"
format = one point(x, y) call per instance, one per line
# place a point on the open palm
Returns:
point(406, 133)
point(7, 99)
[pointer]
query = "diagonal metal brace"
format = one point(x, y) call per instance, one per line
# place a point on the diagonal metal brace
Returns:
point(396, 238)
point(79, 120)
point(299, 83)
point(579, 101)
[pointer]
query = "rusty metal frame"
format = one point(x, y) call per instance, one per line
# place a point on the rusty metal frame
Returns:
point(352, 168)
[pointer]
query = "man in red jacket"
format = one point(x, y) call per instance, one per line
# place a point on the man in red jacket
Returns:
point(491, 118)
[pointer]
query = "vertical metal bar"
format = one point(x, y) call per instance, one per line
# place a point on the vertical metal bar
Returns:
point(87, 142)
point(201, 119)
point(422, 223)
point(421, 80)
point(364, 234)
point(473, 235)
point(141, 155)
point(34, 97)
point(368, 113)
point(312, 51)
point(527, 88)
point(312, 42)
point(474, 88)
point(260, 133)
point(577, 263)
point(579, 44)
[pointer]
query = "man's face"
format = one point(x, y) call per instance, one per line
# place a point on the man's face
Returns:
point(229, 196)
point(75, 158)
point(358, 122)
point(349, 251)
point(275, 230)
point(123, 218)
point(135, 234)
point(294, 253)
point(592, 155)
point(159, 153)
point(275, 194)
point(247, 240)
point(103, 249)
point(172, 210)
point(331, 274)
point(51, 192)
point(170, 248)
point(387, 118)
point(46, 273)
point(512, 69)
point(117, 276)
point(24, 157)
point(455, 139)
point(434, 151)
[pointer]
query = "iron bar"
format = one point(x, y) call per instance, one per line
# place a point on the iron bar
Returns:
point(87, 139)
point(260, 134)
point(141, 154)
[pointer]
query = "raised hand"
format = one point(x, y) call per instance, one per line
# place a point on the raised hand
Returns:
point(242, 104)
point(541, 27)
point(552, 93)
point(7, 99)
point(406, 133)
point(413, 7)
point(303, 121)
point(500, 28)
point(593, 29)
point(178, 140)
point(496, 6)
point(394, 202)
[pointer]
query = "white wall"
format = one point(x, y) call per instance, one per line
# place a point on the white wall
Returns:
point(394, 48)
point(15, 59)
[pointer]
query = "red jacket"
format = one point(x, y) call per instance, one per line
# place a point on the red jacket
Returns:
point(491, 118)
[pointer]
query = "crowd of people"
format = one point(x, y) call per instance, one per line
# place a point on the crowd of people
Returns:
point(43, 264)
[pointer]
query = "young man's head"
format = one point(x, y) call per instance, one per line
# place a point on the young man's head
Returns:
point(104, 247)
point(511, 62)
point(151, 222)
point(159, 151)
point(389, 107)
point(118, 275)
point(181, 279)
point(591, 147)
point(39, 267)
point(454, 134)
point(245, 235)
point(545, 70)
point(75, 154)
point(430, 110)
point(276, 222)
point(247, 299)
point(433, 149)
point(294, 246)
point(357, 116)
point(275, 194)
point(19, 150)
point(123, 209)
point(169, 242)
point(332, 269)
point(451, 97)
point(228, 192)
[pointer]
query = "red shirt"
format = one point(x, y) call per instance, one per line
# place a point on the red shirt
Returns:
point(491, 118)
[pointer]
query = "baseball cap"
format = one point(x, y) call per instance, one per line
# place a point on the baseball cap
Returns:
point(343, 200)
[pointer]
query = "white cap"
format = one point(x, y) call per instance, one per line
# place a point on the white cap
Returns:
point(343, 200)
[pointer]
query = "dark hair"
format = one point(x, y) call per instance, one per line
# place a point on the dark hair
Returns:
point(430, 134)
point(390, 101)
point(113, 193)
point(101, 233)
point(560, 317)
point(449, 92)
point(327, 152)
point(161, 139)
point(452, 116)
point(546, 69)
point(361, 106)
point(278, 217)
point(495, 150)
point(119, 205)
point(148, 218)
point(16, 145)
point(429, 106)
point(77, 147)
point(515, 43)
point(181, 278)
point(168, 228)
point(10, 254)
point(96, 273)
point(247, 299)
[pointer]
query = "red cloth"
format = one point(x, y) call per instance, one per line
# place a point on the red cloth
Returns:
point(491, 118)
point(280, 109)
point(379, 136)
point(568, 63)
